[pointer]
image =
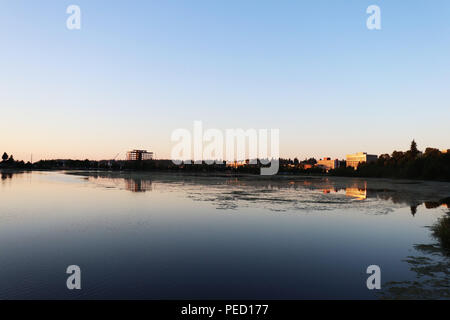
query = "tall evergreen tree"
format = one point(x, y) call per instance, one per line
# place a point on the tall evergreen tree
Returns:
point(413, 150)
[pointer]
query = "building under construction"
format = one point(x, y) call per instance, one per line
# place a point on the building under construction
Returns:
point(139, 155)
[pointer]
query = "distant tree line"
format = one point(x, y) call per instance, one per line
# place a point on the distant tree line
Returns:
point(432, 164)
point(9, 162)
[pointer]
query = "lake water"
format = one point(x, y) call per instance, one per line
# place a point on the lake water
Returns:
point(168, 236)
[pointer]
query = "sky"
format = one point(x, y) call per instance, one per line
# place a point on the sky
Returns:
point(138, 70)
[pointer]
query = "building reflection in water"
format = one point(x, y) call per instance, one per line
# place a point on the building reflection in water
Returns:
point(357, 190)
point(138, 185)
point(129, 184)
point(329, 190)
point(434, 205)
point(360, 191)
point(357, 193)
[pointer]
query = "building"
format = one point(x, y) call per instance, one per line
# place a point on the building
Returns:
point(328, 164)
point(139, 155)
point(353, 160)
point(237, 164)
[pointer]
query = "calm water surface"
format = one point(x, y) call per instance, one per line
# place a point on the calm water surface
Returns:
point(160, 236)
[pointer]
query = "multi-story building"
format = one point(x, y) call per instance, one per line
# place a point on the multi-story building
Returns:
point(328, 164)
point(353, 160)
point(237, 164)
point(139, 155)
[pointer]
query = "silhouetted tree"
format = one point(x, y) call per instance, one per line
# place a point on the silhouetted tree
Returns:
point(397, 155)
point(312, 161)
point(413, 150)
point(432, 152)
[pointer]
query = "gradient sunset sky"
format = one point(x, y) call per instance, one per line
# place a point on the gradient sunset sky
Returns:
point(137, 70)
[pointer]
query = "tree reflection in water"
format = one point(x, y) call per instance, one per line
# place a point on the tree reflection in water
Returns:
point(8, 175)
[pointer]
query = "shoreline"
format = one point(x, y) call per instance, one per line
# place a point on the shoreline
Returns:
point(221, 173)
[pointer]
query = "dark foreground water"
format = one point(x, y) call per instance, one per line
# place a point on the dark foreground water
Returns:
point(159, 236)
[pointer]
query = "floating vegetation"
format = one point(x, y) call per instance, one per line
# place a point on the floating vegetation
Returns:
point(441, 231)
point(432, 270)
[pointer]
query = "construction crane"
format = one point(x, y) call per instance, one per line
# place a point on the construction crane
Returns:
point(111, 161)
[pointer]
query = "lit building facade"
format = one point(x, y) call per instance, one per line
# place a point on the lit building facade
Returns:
point(237, 164)
point(353, 160)
point(139, 155)
point(328, 164)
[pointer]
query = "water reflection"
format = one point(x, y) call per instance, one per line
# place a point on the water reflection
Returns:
point(363, 193)
point(8, 175)
point(443, 203)
point(282, 194)
point(154, 235)
point(357, 193)
point(354, 191)
point(433, 205)
point(431, 268)
point(138, 185)
point(133, 184)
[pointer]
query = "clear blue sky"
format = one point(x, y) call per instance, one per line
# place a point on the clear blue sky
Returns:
point(137, 70)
